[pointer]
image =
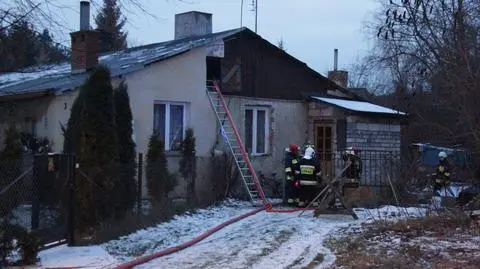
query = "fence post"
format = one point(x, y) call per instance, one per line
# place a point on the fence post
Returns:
point(139, 183)
point(72, 166)
point(35, 218)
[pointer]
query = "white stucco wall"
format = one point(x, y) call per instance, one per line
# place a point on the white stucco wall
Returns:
point(179, 79)
point(58, 113)
point(288, 124)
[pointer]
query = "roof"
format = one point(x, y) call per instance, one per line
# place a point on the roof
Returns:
point(58, 77)
point(358, 106)
point(427, 146)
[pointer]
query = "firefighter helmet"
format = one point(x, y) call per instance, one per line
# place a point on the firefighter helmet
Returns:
point(442, 155)
point(293, 148)
point(309, 153)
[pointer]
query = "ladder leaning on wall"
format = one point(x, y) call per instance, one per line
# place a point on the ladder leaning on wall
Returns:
point(233, 140)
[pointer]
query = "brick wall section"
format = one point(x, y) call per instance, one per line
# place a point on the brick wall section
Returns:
point(374, 136)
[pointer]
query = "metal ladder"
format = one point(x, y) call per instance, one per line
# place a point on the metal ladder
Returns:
point(234, 142)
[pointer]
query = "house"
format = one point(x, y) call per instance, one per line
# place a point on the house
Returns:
point(274, 98)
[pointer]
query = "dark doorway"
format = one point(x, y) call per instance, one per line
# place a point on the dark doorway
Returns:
point(214, 69)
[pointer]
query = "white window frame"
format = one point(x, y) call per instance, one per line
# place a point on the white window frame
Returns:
point(254, 129)
point(167, 120)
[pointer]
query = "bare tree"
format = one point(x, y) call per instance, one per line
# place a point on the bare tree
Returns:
point(47, 14)
point(431, 51)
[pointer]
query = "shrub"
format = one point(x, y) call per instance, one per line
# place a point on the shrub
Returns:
point(10, 167)
point(29, 244)
point(188, 165)
point(126, 189)
point(14, 237)
point(159, 180)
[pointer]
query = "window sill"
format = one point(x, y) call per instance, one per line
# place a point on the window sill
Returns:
point(173, 153)
point(260, 155)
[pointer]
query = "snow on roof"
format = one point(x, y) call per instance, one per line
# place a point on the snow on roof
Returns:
point(359, 106)
point(59, 77)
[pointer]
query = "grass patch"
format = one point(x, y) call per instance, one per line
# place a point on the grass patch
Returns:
point(315, 262)
point(408, 243)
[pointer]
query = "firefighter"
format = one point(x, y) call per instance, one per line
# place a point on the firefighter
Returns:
point(291, 159)
point(307, 172)
point(442, 174)
point(353, 172)
point(308, 145)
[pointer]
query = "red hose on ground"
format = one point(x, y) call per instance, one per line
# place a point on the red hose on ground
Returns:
point(288, 210)
point(197, 239)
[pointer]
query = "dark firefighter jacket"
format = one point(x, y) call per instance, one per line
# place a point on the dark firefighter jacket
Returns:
point(291, 159)
point(443, 171)
point(306, 171)
point(355, 169)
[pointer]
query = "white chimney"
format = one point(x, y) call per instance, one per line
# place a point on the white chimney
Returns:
point(193, 23)
point(84, 15)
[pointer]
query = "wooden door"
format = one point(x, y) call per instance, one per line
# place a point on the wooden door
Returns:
point(324, 144)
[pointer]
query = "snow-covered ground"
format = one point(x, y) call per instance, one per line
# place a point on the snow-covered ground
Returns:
point(264, 240)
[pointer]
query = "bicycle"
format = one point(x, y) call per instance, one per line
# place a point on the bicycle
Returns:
point(272, 184)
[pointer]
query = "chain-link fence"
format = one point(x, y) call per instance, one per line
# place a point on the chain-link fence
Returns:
point(34, 200)
point(16, 196)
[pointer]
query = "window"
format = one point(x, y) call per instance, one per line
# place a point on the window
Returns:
point(256, 130)
point(169, 121)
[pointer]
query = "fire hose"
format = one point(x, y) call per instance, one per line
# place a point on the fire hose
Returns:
point(170, 250)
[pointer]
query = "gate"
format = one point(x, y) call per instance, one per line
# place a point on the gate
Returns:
point(52, 205)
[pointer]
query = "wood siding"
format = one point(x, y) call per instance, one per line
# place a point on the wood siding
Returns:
point(266, 71)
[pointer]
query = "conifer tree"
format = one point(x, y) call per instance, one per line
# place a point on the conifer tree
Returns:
point(91, 133)
point(159, 181)
point(71, 132)
point(188, 165)
point(110, 23)
point(22, 46)
point(126, 189)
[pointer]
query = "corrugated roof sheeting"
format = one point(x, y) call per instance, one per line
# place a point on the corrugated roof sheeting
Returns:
point(59, 77)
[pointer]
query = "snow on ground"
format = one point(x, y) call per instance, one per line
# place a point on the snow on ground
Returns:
point(178, 230)
point(88, 257)
point(264, 240)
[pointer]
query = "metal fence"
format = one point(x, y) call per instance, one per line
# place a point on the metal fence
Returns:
point(16, 184)
point(43, 194)
point(378, 167)
point(34, 196)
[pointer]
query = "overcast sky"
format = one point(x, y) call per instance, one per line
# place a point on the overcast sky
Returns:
point(311, 29)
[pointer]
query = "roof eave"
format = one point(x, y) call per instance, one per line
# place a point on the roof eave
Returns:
point(27, 96)
point(394, 115)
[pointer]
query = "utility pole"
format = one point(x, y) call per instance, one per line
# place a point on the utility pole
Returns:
point(256, 15)
point(241, 13)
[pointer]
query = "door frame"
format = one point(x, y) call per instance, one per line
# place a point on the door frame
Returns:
point(327, 164)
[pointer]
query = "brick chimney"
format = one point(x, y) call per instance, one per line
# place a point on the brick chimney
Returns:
point(340, 77)
point(85, 43)
point(193, 23)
